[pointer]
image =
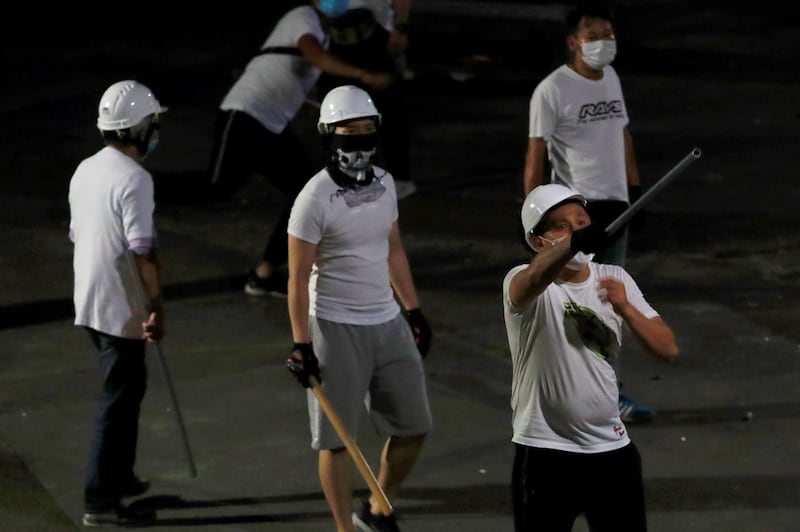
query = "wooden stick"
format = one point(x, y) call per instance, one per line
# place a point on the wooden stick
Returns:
point(355, 453)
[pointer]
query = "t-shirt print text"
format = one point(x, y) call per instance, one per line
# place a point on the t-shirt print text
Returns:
point(592, 112)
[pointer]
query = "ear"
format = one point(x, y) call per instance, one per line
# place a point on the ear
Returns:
point(536, 242)
point(573, 44)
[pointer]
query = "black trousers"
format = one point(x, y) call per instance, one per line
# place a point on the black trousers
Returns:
point(242, 146)
point(551, 488)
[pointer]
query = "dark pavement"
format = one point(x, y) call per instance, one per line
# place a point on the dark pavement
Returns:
point(718, 256)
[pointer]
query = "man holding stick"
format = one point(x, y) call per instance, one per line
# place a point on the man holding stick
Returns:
point(564, 318)
point(111, 208)
point(579, 125)
point(347, 270)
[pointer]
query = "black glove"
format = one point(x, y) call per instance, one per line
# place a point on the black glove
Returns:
point(589, 239)
point(637, 222)
point(421, 330)
point(303, 364)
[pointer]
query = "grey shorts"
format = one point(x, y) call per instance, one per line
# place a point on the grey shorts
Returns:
point(372, 368)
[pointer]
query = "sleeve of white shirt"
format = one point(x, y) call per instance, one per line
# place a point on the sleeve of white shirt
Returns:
point(306, 220)
point(635, 296)
point(138, 205)
point(542, 113)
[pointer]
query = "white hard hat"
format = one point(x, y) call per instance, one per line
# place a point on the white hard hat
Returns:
point(125, 104)
point(345, 103)
point(542, 200)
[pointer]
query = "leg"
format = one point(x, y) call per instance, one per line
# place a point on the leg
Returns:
point(622, 469)
point(237, 138)
point(345, 380)
point(398, 457)
point(336, 478)
point(542, 490)
point(397, 403)
point(113, 449)
point(284, 164)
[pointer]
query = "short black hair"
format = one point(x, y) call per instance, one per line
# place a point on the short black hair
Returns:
point(598, 9)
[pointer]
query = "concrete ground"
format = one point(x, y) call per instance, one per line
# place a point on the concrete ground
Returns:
point(718, 256)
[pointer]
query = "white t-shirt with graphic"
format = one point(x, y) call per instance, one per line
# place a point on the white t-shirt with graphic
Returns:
point(350, 277)
point(564, 392)
point(582, 121)
point(274, 86)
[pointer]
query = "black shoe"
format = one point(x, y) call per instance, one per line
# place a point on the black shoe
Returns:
point(135, 486)
point(366, 521)
point(119, 516)
point(274, 285)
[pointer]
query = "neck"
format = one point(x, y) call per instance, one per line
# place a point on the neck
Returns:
point(131, 151)
point(573, 276)
point(585, 70)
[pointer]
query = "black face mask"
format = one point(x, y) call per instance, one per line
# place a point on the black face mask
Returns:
point(350, 157)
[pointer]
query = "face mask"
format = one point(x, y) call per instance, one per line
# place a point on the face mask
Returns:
point(598, 54)
point(580, 260)
point(577, 262)
point(353, 155)
point(152, 145)
point(333, 8)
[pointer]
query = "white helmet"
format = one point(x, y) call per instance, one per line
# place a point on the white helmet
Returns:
point(345, 103)
point(125, 104)
point(542, 200)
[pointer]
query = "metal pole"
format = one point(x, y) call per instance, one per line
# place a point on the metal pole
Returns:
point(137, 287)
point(174, 398)
point(652, 191)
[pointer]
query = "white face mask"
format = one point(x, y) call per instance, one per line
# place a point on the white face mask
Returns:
point(577, 262)
point(598, 54)
point(580, 260)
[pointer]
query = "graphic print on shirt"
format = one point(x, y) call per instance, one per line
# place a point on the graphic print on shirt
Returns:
point(355, 196)
point(593, 112)
point(583, 323)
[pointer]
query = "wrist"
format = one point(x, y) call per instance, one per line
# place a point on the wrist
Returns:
point(156, 304)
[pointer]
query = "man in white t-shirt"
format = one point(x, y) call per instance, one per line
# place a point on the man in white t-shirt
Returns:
point(347, 270)
point(115, 261)
point(564, 318)
point(579, 126)
point(252, 133)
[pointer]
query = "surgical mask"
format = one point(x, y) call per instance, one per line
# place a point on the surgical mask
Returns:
point(151, 146)
point(598, 54)
point(578, 261)
point(333, 8)
point(353, 155)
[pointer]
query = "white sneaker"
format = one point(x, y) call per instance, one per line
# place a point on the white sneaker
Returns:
point(404, 188)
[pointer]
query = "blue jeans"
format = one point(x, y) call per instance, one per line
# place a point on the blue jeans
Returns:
point(113, 448)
